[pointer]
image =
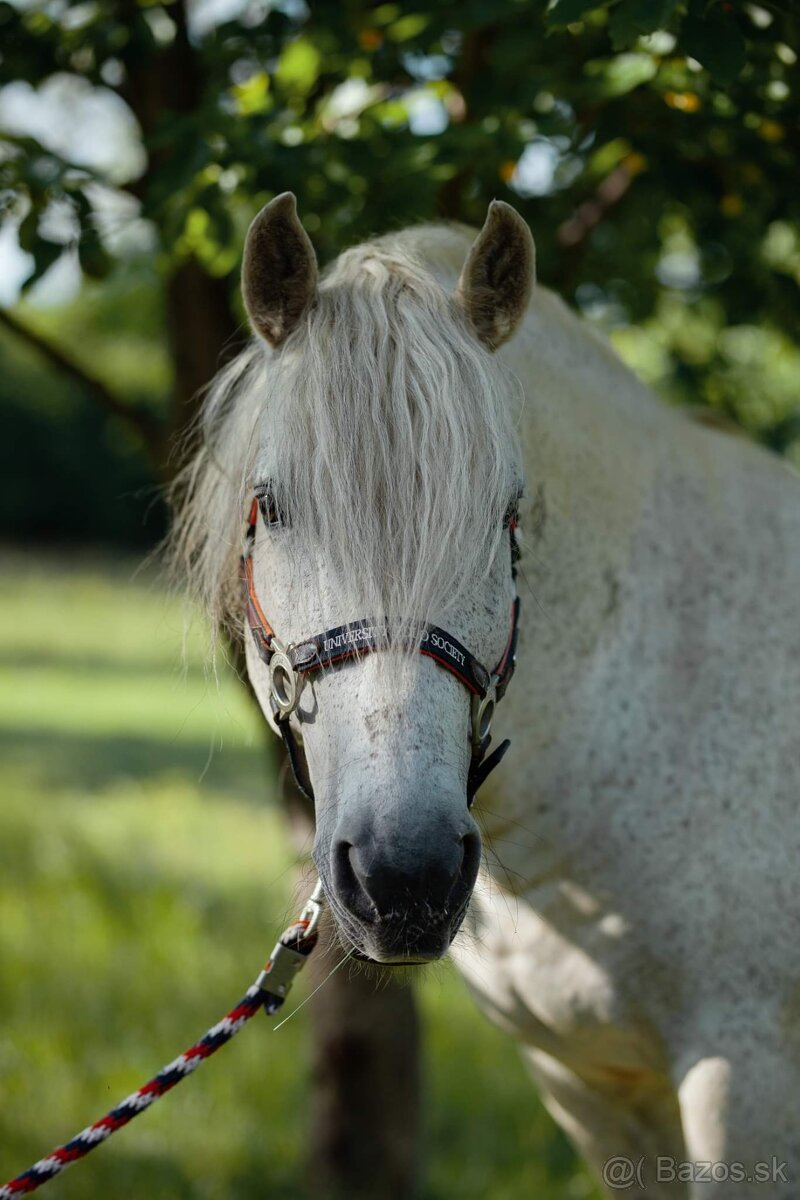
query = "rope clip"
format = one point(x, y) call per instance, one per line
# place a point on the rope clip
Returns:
point(292, 948)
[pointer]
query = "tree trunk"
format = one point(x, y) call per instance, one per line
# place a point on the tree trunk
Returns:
point(365, 1107)
point(202, 337)
point(366, 1082)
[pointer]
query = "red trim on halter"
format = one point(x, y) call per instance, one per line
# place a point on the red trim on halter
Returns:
point(266, 628)
point(500, 669)
point(449, 667)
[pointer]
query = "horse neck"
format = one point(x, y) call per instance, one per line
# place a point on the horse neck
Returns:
point(593, 439)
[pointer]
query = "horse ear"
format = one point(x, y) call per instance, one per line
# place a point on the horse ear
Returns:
point(496, 282)
point(279, 271)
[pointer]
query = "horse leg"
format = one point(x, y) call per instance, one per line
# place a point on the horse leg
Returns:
point(739, 1098)
point(620, 1129)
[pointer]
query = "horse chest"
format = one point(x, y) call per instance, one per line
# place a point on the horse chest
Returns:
point(560, 976)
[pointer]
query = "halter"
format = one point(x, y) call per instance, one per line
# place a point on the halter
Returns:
point(292, 664)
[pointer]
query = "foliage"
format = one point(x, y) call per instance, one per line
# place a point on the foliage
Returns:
point(140, 887)
point(652, 144)
point(70, 474)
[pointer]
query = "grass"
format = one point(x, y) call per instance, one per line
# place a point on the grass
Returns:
point(144, 872)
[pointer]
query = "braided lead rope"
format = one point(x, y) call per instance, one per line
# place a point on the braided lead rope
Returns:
point(167, 1078)
point(268, 992)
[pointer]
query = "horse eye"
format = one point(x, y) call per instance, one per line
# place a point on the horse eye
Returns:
point(270, 512)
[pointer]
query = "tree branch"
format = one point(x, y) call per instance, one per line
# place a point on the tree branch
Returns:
point(143, 425)
point(576, 229)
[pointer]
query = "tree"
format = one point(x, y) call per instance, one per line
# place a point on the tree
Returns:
point(651, 144)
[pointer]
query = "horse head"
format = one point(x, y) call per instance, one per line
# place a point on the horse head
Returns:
point(380, 443)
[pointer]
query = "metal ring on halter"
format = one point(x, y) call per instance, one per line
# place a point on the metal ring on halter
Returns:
point(286, 685)
point(482, 711)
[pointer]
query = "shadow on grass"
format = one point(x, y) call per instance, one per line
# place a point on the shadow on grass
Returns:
point(101, 664)
point(82, 760)
point(133, 1174)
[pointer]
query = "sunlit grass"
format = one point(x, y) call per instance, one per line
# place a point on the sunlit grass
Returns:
point(143, 879)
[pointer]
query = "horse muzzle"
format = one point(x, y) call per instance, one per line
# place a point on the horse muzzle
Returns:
point(401, 906)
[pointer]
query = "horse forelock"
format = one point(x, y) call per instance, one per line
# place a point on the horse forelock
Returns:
point(388, 436)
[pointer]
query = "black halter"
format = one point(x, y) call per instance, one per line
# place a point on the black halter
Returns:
point(290, 666)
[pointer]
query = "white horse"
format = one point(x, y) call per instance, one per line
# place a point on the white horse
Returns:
point(641, 938)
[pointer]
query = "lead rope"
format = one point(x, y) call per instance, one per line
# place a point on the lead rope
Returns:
point(268, 992)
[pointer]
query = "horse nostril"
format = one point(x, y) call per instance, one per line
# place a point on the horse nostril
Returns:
point(471, 860)
point(378, 880)
point(347, 882)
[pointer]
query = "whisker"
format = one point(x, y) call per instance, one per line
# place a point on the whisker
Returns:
point(512, 821)
point(547, 615)
point(311, 995)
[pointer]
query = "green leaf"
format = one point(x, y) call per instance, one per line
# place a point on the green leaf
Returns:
point(717, 42)
point(252, 96)
point(384, 14)
point(408, 27)
point(622, 74)
point(607, 157)
point(565, 12)
point(632, 19)
point(299, 66)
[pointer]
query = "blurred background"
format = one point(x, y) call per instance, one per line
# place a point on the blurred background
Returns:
point(145, 863)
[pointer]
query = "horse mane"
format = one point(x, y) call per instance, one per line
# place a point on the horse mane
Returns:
point(388, 433)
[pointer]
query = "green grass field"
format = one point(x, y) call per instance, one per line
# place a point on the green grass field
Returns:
point(144, 873)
